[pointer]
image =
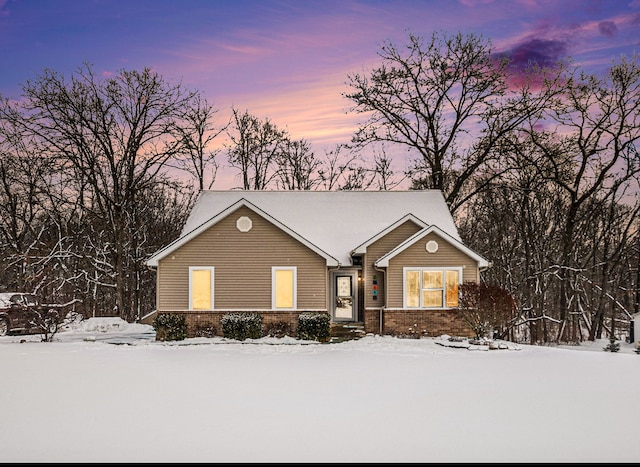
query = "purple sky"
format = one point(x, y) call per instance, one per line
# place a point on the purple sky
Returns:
point(288, 60)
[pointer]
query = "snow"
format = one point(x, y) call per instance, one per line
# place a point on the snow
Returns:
point(106, 391)
point(314, 215)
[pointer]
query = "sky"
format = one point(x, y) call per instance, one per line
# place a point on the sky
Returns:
point(288, 60)
point(105, 391)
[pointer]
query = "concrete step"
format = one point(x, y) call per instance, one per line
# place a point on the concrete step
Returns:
point(341, 332)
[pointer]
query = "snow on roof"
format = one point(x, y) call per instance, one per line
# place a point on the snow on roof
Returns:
point(334, 221)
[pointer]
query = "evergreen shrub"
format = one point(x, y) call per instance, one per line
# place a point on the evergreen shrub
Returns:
point(241, 326)
point(170, 327)
point(314, 326)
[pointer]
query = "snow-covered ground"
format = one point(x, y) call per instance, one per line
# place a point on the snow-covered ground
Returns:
point(106, 391)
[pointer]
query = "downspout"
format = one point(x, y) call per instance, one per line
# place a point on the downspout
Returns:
point(330, 289)
point(383, 271)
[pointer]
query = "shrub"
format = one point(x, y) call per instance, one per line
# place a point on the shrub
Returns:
point(489, 310)
point(278, 329)
point(612, 346)
point(314, 326)
point(241, 326)
point(413, 333)
point(170, 327)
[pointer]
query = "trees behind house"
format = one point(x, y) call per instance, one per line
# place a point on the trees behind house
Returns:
point(539, 168)
point(447, 102)
point(199, 131)
point(265, 156)
point(561, 224)
point(541, 173)
point(104, 144)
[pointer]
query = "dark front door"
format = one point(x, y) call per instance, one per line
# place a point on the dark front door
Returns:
point(345, 294)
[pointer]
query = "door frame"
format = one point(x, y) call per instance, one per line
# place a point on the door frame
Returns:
point(353, 273)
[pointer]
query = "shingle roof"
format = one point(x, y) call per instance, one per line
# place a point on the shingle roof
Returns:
point(334, 221)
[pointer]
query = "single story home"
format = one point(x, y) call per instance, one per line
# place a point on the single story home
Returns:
point(387, 261)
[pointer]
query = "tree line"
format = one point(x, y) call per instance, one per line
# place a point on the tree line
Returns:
point(537, 164)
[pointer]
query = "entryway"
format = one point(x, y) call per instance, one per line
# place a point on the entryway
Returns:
point(344, 296)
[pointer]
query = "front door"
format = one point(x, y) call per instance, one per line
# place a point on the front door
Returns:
point(344, 296)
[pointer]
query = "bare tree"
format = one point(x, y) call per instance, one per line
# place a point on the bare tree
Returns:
point(25, 175)
point(448, 101)
point(297, 166)
point(255, 146)
point(384, 176)
point(588, 151)
point(113, 137)
point(344, 171)
point(199, 132)
point(561, 220)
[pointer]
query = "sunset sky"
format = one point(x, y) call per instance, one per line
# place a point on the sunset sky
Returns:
point(288, 60)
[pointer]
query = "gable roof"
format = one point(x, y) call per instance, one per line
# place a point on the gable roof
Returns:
point(362, 248)
point(185, 238)
point(383, 261)
point(334, 222)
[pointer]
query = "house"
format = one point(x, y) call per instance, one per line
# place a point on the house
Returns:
point(388, 261)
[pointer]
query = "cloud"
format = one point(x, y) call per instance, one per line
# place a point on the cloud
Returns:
point(542, 52)
point(608, 28)
point(530, 53)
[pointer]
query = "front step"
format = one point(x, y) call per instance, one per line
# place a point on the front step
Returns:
point(341, 332)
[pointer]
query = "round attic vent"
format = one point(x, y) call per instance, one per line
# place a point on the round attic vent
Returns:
point(432, 246)
point(244, 224)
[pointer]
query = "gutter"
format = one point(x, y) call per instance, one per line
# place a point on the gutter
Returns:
point(489, 265)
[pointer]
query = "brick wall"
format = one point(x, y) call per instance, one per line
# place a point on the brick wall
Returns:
point(430, 323)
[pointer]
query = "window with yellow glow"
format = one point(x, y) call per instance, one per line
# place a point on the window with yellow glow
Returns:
point(453, 280)
point(431, 288)
point(412, 289)
point(200, 288)
point(284, 288)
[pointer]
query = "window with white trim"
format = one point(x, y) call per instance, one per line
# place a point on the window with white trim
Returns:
point(431, 287)
point(284, 288)
point(201, 287)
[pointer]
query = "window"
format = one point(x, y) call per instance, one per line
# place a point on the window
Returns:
point(283, 288)
point(200, 288)
point(431, 287)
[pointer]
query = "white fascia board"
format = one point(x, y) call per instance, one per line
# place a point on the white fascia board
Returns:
point(383, 261)
point(362, 249)
point(154, 260)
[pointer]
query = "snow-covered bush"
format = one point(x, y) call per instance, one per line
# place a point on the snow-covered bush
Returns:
point(241, 326)
point(170, 327)
point(314, 326)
